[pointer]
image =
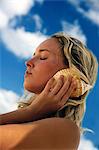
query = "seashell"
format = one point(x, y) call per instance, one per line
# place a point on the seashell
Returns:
point(82, 87)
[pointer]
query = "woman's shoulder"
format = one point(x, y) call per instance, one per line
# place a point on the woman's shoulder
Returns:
point(49, 133)
point(61, 122)
point(64, 131)
point(66, 125)
point(69, 126)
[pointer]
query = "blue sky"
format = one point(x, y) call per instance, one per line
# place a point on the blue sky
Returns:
point(25, 24)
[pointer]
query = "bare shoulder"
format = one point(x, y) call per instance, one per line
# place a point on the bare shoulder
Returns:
point(64, 132)
point(62, 124)
point(47, 134)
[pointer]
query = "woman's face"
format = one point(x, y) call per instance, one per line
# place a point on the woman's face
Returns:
point(46, 61)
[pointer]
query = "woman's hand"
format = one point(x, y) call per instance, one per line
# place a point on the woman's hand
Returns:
point(54, 96)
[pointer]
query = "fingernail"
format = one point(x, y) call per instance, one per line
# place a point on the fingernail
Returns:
point(75, 83)
point(62, 77)
point(53, 78)
point(73, 79)
point(70, 77)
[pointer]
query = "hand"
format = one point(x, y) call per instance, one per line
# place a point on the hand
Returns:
point(54, 96)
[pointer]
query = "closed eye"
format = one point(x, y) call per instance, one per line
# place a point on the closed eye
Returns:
point(43, 58)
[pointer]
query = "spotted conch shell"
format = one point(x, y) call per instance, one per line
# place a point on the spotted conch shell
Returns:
point(82, 86)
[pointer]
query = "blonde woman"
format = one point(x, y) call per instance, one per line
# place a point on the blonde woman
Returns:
point(54, 115)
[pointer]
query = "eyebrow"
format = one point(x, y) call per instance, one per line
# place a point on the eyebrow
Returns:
point(42, 50)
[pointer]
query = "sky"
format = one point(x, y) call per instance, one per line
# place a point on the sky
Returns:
point(24, 24)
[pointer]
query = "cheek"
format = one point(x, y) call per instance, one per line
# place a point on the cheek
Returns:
point(41, 74)
point(47, 69)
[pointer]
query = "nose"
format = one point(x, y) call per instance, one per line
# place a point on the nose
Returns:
point(29, 63)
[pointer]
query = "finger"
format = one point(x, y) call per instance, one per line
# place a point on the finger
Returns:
point(68, 93)
point(49, 84)
point(65, 87)
point(58, 85)
point(53, 85)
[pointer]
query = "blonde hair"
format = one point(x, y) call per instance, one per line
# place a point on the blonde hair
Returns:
point(84, 61)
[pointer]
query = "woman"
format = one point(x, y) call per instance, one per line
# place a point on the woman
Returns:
point(56, 53)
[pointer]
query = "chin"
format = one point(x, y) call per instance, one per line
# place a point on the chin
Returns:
point(36, 90)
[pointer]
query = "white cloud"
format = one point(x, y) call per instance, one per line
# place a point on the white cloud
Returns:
point(3, 19)
point(20, 42)
point(74, 30)
point(8, 101)
point(86, 144)
point(10, 8)
point(17, 7)
point(92, 13)
point(38, 21)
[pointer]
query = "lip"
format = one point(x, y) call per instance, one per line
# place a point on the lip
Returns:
point(27, 73)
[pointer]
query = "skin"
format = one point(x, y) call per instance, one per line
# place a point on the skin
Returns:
point(46, 134)
point(39, 79)
point(43, 70)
